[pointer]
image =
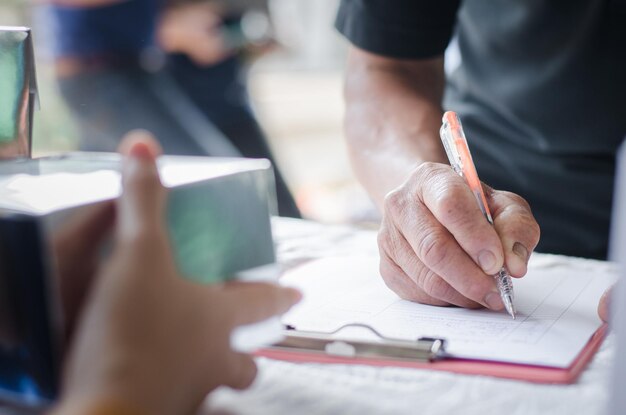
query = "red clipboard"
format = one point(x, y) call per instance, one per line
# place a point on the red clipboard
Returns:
point(528, 373)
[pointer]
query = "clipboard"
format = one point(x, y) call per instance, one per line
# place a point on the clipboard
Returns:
point(424, 353)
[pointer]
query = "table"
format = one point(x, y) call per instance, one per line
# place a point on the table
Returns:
point(288, 388)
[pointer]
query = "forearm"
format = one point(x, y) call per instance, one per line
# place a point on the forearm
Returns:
point(393, 117)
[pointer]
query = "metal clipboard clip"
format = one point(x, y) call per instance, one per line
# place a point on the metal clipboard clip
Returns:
point(424, 349)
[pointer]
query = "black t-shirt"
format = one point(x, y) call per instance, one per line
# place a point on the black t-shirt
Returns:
point(541, 92)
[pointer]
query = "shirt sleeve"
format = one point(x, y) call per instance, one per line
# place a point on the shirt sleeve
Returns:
point(403, 29)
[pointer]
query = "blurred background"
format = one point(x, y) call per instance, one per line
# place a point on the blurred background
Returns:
point(296, 94)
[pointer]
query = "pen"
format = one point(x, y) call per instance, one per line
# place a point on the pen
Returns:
point(458, 153)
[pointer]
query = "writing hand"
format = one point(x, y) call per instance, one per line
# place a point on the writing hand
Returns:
point(437, 248)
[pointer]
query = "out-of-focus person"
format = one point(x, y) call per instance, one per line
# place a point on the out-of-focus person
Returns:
point(165, 66)
point(540, 90)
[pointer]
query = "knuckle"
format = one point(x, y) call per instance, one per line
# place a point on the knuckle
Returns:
point(388, 241)
point(447, 201)
point(435, 286)
point(448, 197)
point(432, 249)
point(427, 171)
point(475, 291)
point(404, 286)
point(383, 241)
point(516, 199)
point(449, 207)
point(392, 278)
point(395, 202)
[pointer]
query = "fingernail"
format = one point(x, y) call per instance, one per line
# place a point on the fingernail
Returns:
point(487, 261)
point(140, 151)
point(521, 251)
point(494, 302)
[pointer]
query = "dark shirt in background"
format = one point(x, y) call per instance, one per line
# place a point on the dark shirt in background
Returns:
point(540, 92)
point(192, 110)
point(118, 30)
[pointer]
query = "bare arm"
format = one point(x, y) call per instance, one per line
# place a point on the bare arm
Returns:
point(393, 118)
point(435, 245)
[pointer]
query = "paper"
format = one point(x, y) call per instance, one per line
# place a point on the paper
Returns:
point(556, 311)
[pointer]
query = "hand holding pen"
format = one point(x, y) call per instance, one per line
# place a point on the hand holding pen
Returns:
point(437, 248)
point(457, 150)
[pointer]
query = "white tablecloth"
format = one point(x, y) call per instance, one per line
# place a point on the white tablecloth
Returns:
point(287, 388)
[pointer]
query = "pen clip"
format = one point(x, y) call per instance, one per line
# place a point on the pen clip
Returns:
point(457, 150)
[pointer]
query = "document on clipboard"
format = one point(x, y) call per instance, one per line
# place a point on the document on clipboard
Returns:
point(348, 315)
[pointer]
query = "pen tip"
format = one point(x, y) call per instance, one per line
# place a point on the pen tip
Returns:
point(510, 308)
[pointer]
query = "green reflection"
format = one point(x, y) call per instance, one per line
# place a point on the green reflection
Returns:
point(13, 83)
point(218, 229)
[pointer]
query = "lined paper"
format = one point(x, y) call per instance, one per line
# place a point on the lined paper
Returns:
point(556, 307)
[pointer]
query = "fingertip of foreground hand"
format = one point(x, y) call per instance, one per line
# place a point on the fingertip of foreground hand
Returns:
point(258, 301)
point(294, 296)
point(285, 298)
point(244, 372)
point(140, 144)
point(140, 149)
point(142, 202)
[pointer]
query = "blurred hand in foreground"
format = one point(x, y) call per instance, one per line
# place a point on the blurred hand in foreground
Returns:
point(148, 340)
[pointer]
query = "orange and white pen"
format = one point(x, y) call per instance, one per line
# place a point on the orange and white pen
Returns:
point(458, 153)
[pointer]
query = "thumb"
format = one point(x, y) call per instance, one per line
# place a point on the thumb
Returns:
point(142, 204)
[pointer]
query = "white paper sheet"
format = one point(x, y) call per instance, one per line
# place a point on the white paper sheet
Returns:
point(556, 311)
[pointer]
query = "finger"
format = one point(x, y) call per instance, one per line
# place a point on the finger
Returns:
point(400, 283)
point(142, 204)
point(605, 305)
point(258, 301)
point(143, 138)
point(454, 205)
point(87, 228)
point(243, 371)
point(412, 280)
point(76, 246)
point(437, 249)
point(517, 228)
point(211, 48)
